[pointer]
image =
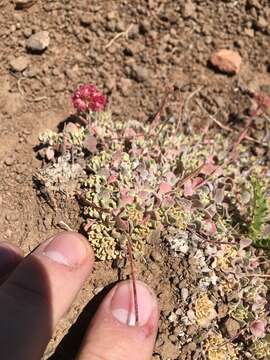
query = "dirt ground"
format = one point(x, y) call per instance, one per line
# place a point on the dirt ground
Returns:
point(169, 43)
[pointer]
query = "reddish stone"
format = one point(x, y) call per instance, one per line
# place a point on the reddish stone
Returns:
point(227, 61)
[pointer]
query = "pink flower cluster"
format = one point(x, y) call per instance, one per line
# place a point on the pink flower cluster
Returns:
point(88, 97)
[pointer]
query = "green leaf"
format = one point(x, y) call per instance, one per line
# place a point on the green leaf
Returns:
point(259, 215)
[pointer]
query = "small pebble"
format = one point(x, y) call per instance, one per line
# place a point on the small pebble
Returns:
point(226, 61)
point(261, 23)
point(86, 19)
point(9, 160)
point(232, 326)
point(156, 255)
point(184, 293)
point(38, 42)
point(139, 73)
point(27, 32)
point(23, 4)
point(19, 64)
point(188, 9)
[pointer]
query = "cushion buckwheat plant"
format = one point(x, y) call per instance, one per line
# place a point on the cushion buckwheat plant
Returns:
point(154, 184)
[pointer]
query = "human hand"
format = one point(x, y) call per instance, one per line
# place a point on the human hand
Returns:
point(36, 292)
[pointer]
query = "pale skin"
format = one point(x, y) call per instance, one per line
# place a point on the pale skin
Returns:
point(36, 292)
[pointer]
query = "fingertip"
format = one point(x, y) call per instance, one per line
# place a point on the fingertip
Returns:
point(10, 256)
point(67, 248)
point(131, 309)
point(114, 332)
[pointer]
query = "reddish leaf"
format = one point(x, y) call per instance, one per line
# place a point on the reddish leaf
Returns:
point(88, 225)
point(197, 181)
point(170, 177)
point(244, 243)
point(210, 227)
point(116, 159)
point(116, 212)
point(211, 210)
point(112, 179)
point(188, 188)
point(257, 328)
point(219, 195)
point(122, 224)
point(164, 188)
point(208, 168)
point(167, 201)
point(136, 152)
point(126, 199)
point(129, 133)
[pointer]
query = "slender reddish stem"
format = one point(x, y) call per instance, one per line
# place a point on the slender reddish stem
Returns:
point(162, 106)
point(135, 296)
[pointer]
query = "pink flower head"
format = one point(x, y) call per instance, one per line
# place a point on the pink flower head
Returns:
point(88, 97)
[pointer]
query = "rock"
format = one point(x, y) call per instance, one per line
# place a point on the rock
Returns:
point(86, 19)
point(46, 81)
point(191, 315)
point(120, 26)
point(112, 15)
point(192, 329)
point(19, 64)
point(232, 327)
point(110, 84)
point(156, 255)
point(188, 10)
point(111, 25)
point(172, 318)
point(56, 72)
point(12, 217)
point(254, 3)
point(59, 85)
point(184, 294)
point(139, 73)
point(261, 23)
point(226, 61)
point(173, 338)
point(144, 27)
point(169, 351)
point(249, 32)
point(23, 4)
point(27, 32)
point(10, 160)
point(222, 310)
point(31, 72)
point(189, 348)
point(125, 86)
point(38, 42)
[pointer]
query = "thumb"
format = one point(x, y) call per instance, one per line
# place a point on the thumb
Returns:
point(38, 293)
point(113, 334)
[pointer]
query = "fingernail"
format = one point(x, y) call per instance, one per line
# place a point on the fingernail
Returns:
point(66, 249)
point(122, 303)
point(8, 258)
